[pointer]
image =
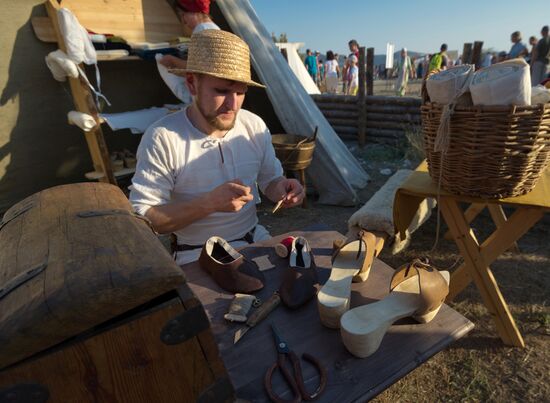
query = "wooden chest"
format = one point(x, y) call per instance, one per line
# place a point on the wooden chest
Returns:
point(94, 309)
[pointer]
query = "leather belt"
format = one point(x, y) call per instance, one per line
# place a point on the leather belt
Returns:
point(248, 237)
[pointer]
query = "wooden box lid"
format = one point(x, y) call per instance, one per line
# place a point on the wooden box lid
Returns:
point(72, 257)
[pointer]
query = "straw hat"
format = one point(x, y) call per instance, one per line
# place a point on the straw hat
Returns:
point(219, 54)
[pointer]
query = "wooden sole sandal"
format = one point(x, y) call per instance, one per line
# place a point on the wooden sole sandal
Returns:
point(351, 261)
point(416, 289)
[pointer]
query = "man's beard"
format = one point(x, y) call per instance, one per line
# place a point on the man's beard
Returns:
point(213, 119)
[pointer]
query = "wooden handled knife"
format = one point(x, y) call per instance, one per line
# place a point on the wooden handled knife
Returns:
point(258, 315)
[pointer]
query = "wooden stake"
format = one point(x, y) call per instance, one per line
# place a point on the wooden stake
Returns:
point(361, 99)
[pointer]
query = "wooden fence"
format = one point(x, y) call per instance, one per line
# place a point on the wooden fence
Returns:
point(383, 119)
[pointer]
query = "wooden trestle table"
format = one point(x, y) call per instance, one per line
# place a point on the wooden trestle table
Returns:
point(529, 209)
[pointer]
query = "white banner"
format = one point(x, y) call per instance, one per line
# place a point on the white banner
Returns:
point(389, 55)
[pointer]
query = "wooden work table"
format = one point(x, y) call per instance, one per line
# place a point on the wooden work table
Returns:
point(406, 345)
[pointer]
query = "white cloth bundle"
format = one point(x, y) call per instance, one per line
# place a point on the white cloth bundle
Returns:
point(83, 120)
point(506, 83)
point(446, 86)
point(61, 65)
point(79, 45)
point(540, 95)
point(176, 83)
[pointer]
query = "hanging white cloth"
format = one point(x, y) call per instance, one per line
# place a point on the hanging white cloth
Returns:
point(79, 47)
point(61, 65)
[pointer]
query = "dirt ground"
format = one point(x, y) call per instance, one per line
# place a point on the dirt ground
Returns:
point(478, 367)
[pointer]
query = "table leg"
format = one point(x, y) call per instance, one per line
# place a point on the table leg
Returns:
point(471, 213)
point(477, 266)
point(499, 218)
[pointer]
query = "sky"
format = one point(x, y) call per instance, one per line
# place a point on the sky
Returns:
point(418, 25)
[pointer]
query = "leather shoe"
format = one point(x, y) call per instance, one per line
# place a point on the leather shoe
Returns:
point(230, 269)
point(300, 279)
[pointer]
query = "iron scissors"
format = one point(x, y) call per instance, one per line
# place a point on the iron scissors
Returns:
point(296, 381)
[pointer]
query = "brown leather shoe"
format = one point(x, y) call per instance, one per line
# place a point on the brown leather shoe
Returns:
point(229, 269)
point(300, 279)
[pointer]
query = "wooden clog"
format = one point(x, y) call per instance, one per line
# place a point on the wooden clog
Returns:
point(352, 260)
point(416, 290)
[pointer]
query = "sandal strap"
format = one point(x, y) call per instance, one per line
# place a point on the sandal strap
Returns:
point(433, 287)
point(369, 239)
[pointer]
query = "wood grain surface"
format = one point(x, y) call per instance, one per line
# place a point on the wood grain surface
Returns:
point(127, 363)
point(97, 267)
point(406, 345)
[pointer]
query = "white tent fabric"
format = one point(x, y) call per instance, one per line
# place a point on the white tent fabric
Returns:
point(297, 66)
point(334, 171)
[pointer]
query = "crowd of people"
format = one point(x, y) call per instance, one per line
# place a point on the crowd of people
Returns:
point(327, 73)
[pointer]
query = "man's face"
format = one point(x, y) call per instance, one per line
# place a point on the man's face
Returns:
point(218, 100)
point(514, 38)
point(352, 47)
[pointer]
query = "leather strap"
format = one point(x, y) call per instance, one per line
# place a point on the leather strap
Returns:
point(432, 285)
point(248, 237)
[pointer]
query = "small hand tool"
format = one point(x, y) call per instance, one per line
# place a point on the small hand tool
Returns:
point(296, 381)
point(258, 315)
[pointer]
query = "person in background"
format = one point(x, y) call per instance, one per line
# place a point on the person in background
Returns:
point(501, 56)
point(345, 75)
point(518, 48)
point(487, 60)
point(533, 43)
point(194, 16)
point(420, 68)
point(332, 72)
point(320, 69)
point(353, 73)
point(311, 65)
point(404, 69)
point(439, 61)
point(539, 69)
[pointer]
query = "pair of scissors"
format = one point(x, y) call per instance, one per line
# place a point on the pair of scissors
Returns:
point(296, 381)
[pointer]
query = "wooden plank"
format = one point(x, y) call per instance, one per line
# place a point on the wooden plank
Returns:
point(349, 379)
point(362, 121)
point(499, 218)
point(467, 54)
point(127, 363)
point(43, 29)
point(389, 100)
point(471, 213)
point(392, 109)
point(370, 71)
point(481, 273)
point(134, 20)
point(330, 98)
point(476, 54)
point(83, 100)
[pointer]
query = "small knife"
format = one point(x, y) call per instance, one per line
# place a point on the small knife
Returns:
point(258, 315)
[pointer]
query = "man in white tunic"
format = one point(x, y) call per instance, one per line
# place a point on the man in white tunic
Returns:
point(197, 169)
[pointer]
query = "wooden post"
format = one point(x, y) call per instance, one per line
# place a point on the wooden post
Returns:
point(476, 55)
point(467, 53)
point(361, 99)
point(370, 71)
point(285, 54)
point(84, 102)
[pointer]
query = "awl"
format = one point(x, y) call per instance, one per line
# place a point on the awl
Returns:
point(258, 315)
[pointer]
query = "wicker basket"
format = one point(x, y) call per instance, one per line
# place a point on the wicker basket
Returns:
point(494, 151)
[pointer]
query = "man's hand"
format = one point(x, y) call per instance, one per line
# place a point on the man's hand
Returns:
point(229, 197)
point(173, 62)
point(290, 190)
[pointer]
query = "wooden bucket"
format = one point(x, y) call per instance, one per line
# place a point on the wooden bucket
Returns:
point(294, 151)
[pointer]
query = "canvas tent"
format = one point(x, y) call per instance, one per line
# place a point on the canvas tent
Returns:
point(39, 150)
point(334, 171)
point(297, 66)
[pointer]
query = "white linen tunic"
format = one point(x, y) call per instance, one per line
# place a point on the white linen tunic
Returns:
point(177, 162)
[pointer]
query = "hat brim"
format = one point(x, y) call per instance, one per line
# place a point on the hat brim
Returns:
point(182, 72)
